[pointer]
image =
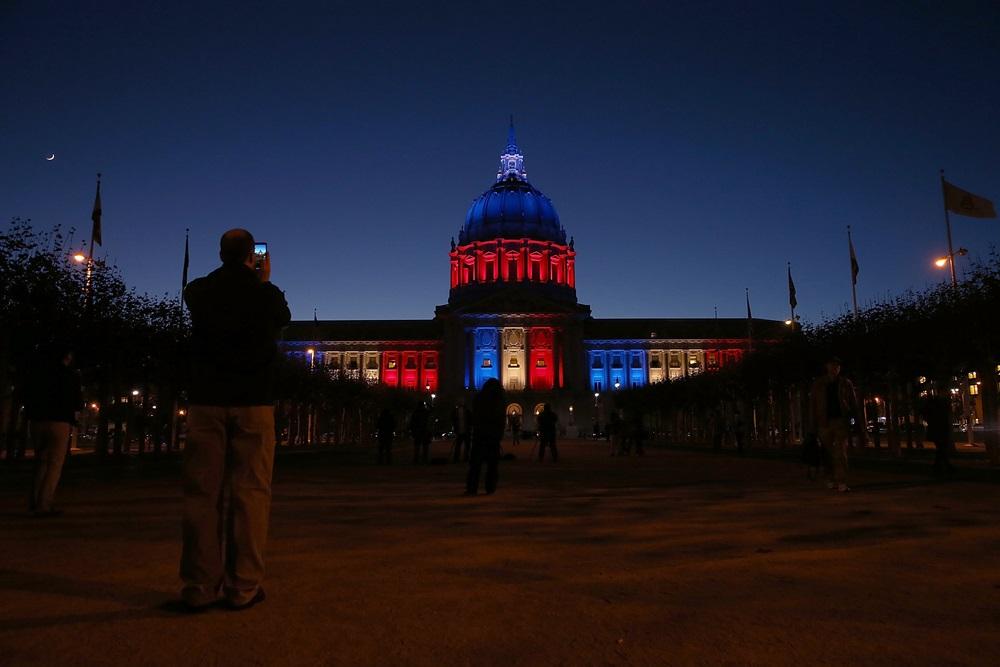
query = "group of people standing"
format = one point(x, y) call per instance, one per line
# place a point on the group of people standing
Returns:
point(834, 410)
point(478, 434)
point(625, 433)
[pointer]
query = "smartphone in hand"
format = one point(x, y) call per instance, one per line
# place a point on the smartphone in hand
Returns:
point(259, 252)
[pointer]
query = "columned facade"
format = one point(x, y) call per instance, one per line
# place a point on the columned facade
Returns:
point(512, 314)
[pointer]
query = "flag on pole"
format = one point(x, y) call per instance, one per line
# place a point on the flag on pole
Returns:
point(855, 269)
point(962, 202)
point(792, 301)
point(95, 215)
point(187, 261)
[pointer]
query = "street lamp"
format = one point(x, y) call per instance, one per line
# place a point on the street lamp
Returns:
point(617, 384)
point(942, 262)
point(433, 396)
point(79, 258)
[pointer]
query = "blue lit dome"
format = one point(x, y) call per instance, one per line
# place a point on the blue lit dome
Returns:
point(512, 208)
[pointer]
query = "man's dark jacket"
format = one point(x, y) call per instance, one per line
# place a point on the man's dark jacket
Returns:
point(547, 421)
point(236, 320)
point(53, 394)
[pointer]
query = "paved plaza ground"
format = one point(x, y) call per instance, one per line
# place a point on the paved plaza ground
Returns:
point(680, 557)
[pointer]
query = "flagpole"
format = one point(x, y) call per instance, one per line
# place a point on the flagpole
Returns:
point(790, 306)
point(947, 225)
point(854, 282)
point(90, 253)
point(187, 260)
point(749, 323)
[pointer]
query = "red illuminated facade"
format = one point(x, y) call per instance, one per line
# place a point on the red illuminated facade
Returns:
point(512, 315)
point(513, 261)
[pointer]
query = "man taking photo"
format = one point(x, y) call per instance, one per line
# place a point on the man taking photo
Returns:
point(236, 316)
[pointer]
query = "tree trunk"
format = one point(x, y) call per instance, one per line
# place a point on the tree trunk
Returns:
point(892, 420)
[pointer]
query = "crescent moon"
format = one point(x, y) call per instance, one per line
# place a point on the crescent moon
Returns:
point(51, 157)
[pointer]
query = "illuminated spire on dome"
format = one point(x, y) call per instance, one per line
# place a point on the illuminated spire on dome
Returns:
point(512, 162)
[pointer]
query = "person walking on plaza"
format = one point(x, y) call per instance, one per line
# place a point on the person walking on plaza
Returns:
point(236, 318)
point(487, 432)
point(615, 434)
point(739, 431)
point(52, 402)
point(833, 403)
point(420, 432)
point(936, 413)
point(637, 429)
point(385, 431)
point(461, 424)
point(548, 422)
point(515, 428)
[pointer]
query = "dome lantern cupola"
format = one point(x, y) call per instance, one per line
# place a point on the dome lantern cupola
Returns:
point(512, 162)
point(512, 208)
point(512, 238)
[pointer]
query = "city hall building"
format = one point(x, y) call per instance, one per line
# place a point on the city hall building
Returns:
point(513, 314)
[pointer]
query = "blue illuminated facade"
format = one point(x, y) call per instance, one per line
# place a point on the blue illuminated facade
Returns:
point(512, 315)
point(486, 360)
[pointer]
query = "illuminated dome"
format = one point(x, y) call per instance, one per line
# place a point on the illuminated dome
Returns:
point(512, 208)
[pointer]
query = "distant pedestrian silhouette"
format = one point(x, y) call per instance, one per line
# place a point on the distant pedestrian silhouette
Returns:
point(236, 317)
point(637, 431)
point(739, 431)
point(936, 413)
point(615, 433)
point(833, 403)
point(52, 401)
point(461, 424)
point(515, 428)
point(420, 432)
point(487, 432)
point(548, 423)
point(385, 431)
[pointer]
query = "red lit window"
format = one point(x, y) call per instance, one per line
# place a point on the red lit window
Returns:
point(541, 370)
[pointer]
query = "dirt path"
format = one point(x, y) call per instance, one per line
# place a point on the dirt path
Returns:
point(676, 558)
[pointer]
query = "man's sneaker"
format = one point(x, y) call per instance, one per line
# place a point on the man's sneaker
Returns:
point(843, 488)
point(831, 485)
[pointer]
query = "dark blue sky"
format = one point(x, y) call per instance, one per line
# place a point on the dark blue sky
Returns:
point(691, 148)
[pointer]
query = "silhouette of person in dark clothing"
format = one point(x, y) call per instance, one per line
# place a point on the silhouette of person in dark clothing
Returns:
point(515, 428)
point(488, 422)
point(547, 426)
point(936, 412)
point(385, 430)
point(638, 430)
point(53, 399)
point(420, 432)
point(739, 431)
point(616, 434)
point(236, 317)
point(461, 423)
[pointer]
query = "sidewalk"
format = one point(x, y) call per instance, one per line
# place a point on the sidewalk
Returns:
point(678, 557)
